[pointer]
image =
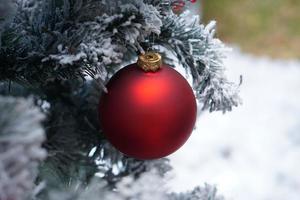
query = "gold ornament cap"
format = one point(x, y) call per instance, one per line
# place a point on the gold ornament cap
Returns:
point(150, 61)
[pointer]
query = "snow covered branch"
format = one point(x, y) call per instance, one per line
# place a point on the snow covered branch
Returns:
point(7, 11)
point(147, 187)
point(202, 54)
point(21, 137)
point(74, 39)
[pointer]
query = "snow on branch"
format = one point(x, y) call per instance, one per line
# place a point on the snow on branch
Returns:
point(148, 186)
point(7, 11)
point(199, 193)
point(70, 39)
point(21, 136)
point(202, 54)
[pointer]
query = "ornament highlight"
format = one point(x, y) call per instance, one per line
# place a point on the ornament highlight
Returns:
point(150, 109)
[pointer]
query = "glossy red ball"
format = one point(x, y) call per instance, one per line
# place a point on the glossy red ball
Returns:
point(147, 115)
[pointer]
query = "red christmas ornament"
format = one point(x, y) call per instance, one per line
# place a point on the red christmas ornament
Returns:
point(150, 109)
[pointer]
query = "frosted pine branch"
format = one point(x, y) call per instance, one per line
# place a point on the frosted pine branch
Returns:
point(21, 136)
point(7, 11)
point(75, 39)
point(199, 193)
point(199, 52)
point(148, 186)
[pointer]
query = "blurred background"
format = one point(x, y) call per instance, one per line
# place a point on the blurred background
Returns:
point(261, 27)
point(253, 152)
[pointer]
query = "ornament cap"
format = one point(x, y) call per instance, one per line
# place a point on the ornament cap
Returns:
point(150, 61)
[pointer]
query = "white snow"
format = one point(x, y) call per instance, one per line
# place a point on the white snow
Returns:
point(252, 153)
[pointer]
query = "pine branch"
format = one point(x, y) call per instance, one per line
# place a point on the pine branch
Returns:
point(207, 192)
point(62, 40)
point(51, 40)
point(147, 187)
point(198, 51)
point(7, 11)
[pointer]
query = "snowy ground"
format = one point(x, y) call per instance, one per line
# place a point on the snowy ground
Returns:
point(252, 153)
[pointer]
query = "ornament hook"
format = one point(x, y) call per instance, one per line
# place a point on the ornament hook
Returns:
point(150, 61)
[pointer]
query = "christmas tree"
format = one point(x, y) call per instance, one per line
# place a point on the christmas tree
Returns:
point(56, 57)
